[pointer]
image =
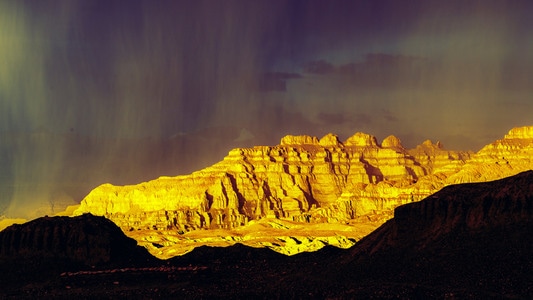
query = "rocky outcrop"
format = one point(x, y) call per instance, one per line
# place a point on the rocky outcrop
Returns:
point(85, 240)
point(302, 179)
point(505, 157)
point(287, 237)
point(307, 180)
point(520, 133)
point(8, 222)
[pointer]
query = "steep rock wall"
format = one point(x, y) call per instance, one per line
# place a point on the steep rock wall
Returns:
point(306, 179)
point(502, 158)
point(302, 179)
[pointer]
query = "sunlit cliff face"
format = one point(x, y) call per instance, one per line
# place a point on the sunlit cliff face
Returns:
point(99, 91)
point(299, 195)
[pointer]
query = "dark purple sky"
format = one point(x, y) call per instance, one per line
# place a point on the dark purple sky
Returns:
point(455, 71)
point(459, 71)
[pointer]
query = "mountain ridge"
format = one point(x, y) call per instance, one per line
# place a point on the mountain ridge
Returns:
point(303, 179)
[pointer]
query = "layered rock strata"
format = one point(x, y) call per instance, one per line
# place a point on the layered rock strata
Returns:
point(282, 236)
point(302, 179)
point(308, 180)
point(502, 158)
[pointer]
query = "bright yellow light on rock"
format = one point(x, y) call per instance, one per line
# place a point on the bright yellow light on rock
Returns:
point(299, 202)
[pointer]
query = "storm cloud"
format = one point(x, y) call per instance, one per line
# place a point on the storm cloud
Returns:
point(107, 91)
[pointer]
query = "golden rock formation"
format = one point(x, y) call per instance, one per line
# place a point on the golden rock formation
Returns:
point(304, 180)
point(505, 157)
point(287, 237)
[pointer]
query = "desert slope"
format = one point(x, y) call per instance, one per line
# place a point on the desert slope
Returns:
point(471, 240)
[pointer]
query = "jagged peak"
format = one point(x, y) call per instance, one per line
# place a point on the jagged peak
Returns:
point(299, 140)
point(525, 132)
point(429, 143)
point(392, 142)
point(361, 139)
point(330, 140)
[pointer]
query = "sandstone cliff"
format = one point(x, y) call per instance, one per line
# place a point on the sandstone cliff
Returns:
point(302, 179)
point(505, 157)
point(305, 179)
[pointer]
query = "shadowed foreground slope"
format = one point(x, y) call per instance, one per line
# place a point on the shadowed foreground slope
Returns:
point(466, 241)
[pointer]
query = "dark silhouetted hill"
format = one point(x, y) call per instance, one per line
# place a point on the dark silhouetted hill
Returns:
point(469, 240)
